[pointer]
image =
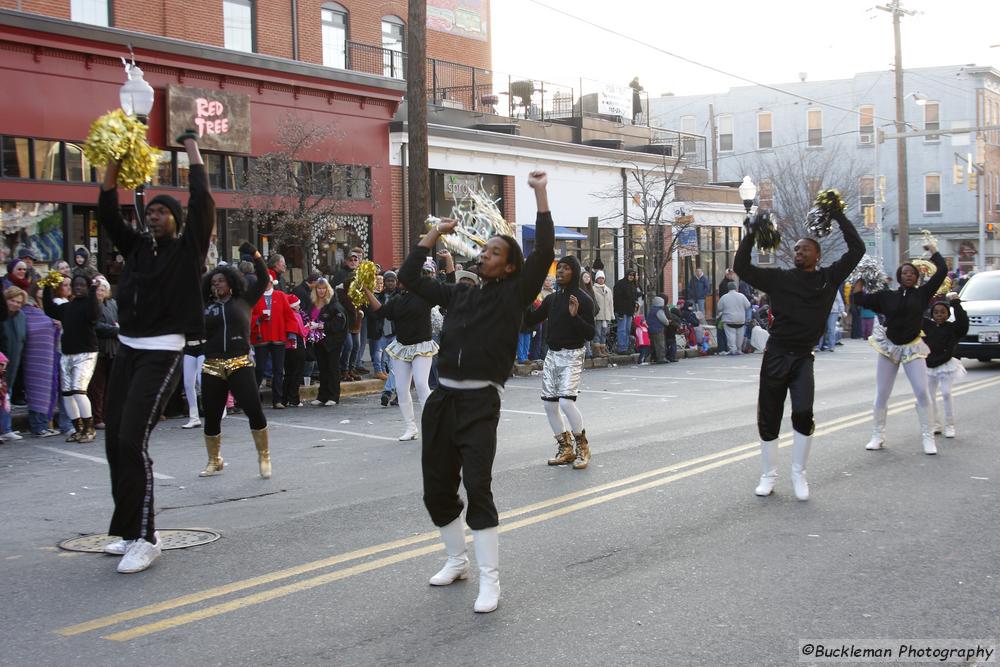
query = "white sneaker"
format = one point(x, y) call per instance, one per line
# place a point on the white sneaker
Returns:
point(766, 486)
point(140, 555)
point(317, 403)
point(47, 433)
point(877, 442)
point(10, 436)
point(949, 431)
point(800, 485)
point(928, 442)
point(411, 433)
point(330, 404)
point(120, 547)
point(194, 422)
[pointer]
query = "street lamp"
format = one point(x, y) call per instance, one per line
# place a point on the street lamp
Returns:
point(136, 97)
point(748, 192)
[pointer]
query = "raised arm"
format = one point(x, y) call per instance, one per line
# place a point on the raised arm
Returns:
point(51, 308)
point(759, 278)
point(842, 268)
point(961, 319)
point(255, 291)
point(538, 263)
point(109, 214)
point(928, 289)
point(429, 289)
point(373, 301)
point(201, 206)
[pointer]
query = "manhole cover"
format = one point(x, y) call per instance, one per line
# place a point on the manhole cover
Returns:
point(172, 538)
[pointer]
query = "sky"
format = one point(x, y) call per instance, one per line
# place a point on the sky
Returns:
point(769, 41)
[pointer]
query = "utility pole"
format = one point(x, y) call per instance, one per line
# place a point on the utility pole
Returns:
point(715, 143)
point(416, 120)
point(896, 9)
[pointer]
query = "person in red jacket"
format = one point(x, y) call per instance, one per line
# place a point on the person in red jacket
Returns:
point(272, 324)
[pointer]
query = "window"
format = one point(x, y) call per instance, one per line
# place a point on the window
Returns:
point(48, 160)
point(725, 129)
point(866, 197)
point(352, 182)
point(394, 45)
point(765, 196)
point(764, 136)
point(814, 118)
point(334, 22)
point(183, 168)
point(213, 168)
point(94, 12)
point(932, 120)
point(689, 145)
point(236, 169)
point(164, 174)
point(932, 193)
point(237, 16)
point(77, 166)
point(866, 124)
point(15, 155)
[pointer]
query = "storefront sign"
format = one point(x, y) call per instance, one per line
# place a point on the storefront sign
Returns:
point(221, 119)
point(458, 186)
point(687, 242)
point(614, 100)
point(465, 18)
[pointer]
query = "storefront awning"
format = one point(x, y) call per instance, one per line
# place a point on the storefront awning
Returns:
point(562, 234)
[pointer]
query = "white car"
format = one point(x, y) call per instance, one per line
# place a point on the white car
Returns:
point(981, 300)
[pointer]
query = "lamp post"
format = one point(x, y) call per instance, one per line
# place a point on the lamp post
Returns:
point(748, 192)
point(136, 98)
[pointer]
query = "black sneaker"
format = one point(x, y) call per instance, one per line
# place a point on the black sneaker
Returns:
point(386, 395)
point(395, 400)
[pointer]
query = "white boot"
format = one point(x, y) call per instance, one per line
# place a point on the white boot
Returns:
point(411, 432)
point(949, 427)
point(878, 431)
point(457, 565)
point(768, 453)
point(926, 431)
point(486, 543)
point(800, 454)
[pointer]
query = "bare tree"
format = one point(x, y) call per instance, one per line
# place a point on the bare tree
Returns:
point(301, 202)
point(789, 180)
point(655, 230)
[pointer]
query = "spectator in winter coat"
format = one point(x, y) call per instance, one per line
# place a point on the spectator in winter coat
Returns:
point(107, 348)
point(604, 316)
point(28, 256)
point(82, 265)
point(626, 293)
point(698, 288)
point(830, 336)
point(273, 324)
point(732, 315)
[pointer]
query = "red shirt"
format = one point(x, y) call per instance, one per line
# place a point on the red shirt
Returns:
point(277, 327)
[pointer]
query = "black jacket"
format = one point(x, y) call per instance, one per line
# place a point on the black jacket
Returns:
point(227, 323)
point(566, 332)
point(942, 338)
point(336, 322)
point(904, 308)
point(107, 329)
point(801, 300)
point(625, 293)
point(479, 338)
point(79, 320)
point(159, 291)
point(411, 317)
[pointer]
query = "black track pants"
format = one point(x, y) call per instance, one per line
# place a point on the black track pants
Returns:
point(784, 373)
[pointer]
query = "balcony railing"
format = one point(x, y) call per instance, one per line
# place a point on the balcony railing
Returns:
point(490, 92)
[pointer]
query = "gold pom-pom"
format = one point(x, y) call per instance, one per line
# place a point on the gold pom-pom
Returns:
point(118, 136)
point(363, 277)
point(53, 279)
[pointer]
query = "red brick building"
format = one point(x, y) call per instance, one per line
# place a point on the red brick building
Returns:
point(337, 63)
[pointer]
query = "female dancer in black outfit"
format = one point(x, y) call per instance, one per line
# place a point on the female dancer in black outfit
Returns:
point(899, 343)
point(228, 367)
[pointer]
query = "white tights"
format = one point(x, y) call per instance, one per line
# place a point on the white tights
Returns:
point(945, 382)
point(77, 406)
point(419, 371)
point(555, 411)
point(885, 377)
point(192, 378)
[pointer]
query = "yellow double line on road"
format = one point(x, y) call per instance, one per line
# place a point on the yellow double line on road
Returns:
point(578, 500)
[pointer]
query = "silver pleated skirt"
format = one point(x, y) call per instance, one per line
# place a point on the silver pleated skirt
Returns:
point(561, 374)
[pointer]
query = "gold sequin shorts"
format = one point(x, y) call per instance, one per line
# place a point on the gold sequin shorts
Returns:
point(223, 368)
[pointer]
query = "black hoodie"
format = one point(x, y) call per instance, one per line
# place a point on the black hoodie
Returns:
point(566, 332)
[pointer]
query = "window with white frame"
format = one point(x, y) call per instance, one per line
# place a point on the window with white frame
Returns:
point(814, 120)
point(725, 129)
point(765, 195)
point(393, 43)
point(765, 137)
point(689, 125)
point(237, 21)
point(334, 30)
point(94, 12)
point(932, 120)
point(932, 193)
point(866, 124)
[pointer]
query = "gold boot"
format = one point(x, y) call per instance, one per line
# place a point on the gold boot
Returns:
point(213, 443)
point(582, 451)
point(263, 453)
point(565, 453)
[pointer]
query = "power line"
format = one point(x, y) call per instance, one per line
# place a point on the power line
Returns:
point(793, 143)
point(697, 63)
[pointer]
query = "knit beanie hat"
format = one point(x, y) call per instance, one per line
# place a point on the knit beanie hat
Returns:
point(173, 205)
point(599, 274)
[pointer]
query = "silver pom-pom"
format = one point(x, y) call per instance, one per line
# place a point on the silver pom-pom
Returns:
point(818, 222)
point(869, 271)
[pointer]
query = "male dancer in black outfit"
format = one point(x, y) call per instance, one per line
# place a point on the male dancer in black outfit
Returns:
point(159, 300)
point(801, 299)
point(570, 313)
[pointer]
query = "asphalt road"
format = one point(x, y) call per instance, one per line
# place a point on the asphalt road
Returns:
point(659, 553)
